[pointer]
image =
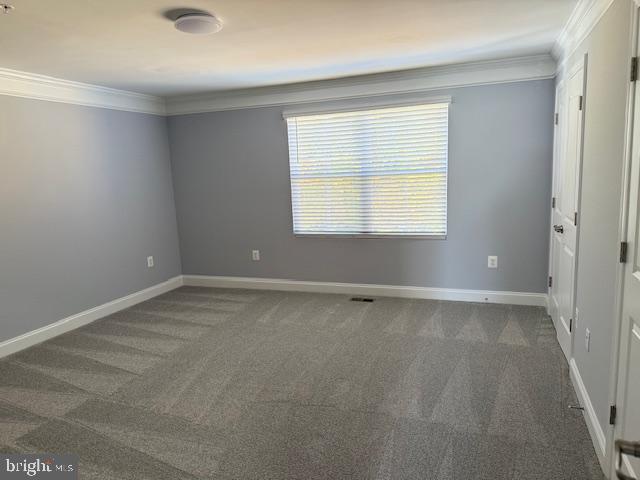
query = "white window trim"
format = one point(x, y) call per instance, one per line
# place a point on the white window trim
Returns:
point(369, 104)
point(358, 105)
point(370, 236)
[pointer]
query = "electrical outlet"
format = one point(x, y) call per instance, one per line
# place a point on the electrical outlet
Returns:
point(255, 255)
point(150, 262)
point(587, 339)
point(492, 261)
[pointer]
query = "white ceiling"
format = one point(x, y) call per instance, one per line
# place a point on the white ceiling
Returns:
point(132, 45)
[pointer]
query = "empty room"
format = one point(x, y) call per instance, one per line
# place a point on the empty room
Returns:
point(320, 239)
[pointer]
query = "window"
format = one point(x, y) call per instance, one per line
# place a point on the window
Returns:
point(379, 172)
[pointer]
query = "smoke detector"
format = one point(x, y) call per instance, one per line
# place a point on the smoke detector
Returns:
point(6, 8)
point(198, 23)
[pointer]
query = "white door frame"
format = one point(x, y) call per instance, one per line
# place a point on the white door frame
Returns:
point(584, 65)
point(622, 236)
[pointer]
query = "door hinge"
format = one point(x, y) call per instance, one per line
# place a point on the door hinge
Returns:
point(624, 246)
point(550, 282)
point(570, 325)
point(556, 118)
point(575, 218)
point(553, 202)
point(613, 413)
point(580, 102)
point(634, 69)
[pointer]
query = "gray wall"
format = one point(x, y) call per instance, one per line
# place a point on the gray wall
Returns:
point(607, 82)
point(86, 194)
point(231, 181)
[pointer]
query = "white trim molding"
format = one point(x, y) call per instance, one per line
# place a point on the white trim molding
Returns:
point(535, 67)
point(596, 432)
point(416, 81)
point(366, 104)
point(78, 320)
point(41, 87)
point(484, 296)
point(584, 18)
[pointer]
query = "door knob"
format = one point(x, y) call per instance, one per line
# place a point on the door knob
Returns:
point(558, 228)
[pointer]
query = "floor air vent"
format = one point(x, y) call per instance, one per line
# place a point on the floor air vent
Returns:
point(362, 299)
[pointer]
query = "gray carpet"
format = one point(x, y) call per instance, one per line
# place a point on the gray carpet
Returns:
point(234, 384)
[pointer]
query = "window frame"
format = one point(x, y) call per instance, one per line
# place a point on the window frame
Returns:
point(359, 105)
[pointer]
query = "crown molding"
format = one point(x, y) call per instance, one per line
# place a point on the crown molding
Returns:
point(407, 81)
point(41, 87)
point(583, 19)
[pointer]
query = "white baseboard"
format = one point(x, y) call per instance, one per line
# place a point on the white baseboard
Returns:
point(34, 337)
point(513, 298)
point(595, 429)
point(40, 335)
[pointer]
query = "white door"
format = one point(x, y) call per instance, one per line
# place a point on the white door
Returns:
point(628, 391)
point(565, 208)
point(558, 162)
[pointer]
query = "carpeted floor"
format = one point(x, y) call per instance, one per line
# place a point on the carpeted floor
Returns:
point(233, 384)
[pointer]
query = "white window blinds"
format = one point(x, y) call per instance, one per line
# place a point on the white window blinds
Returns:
point(370, 172)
